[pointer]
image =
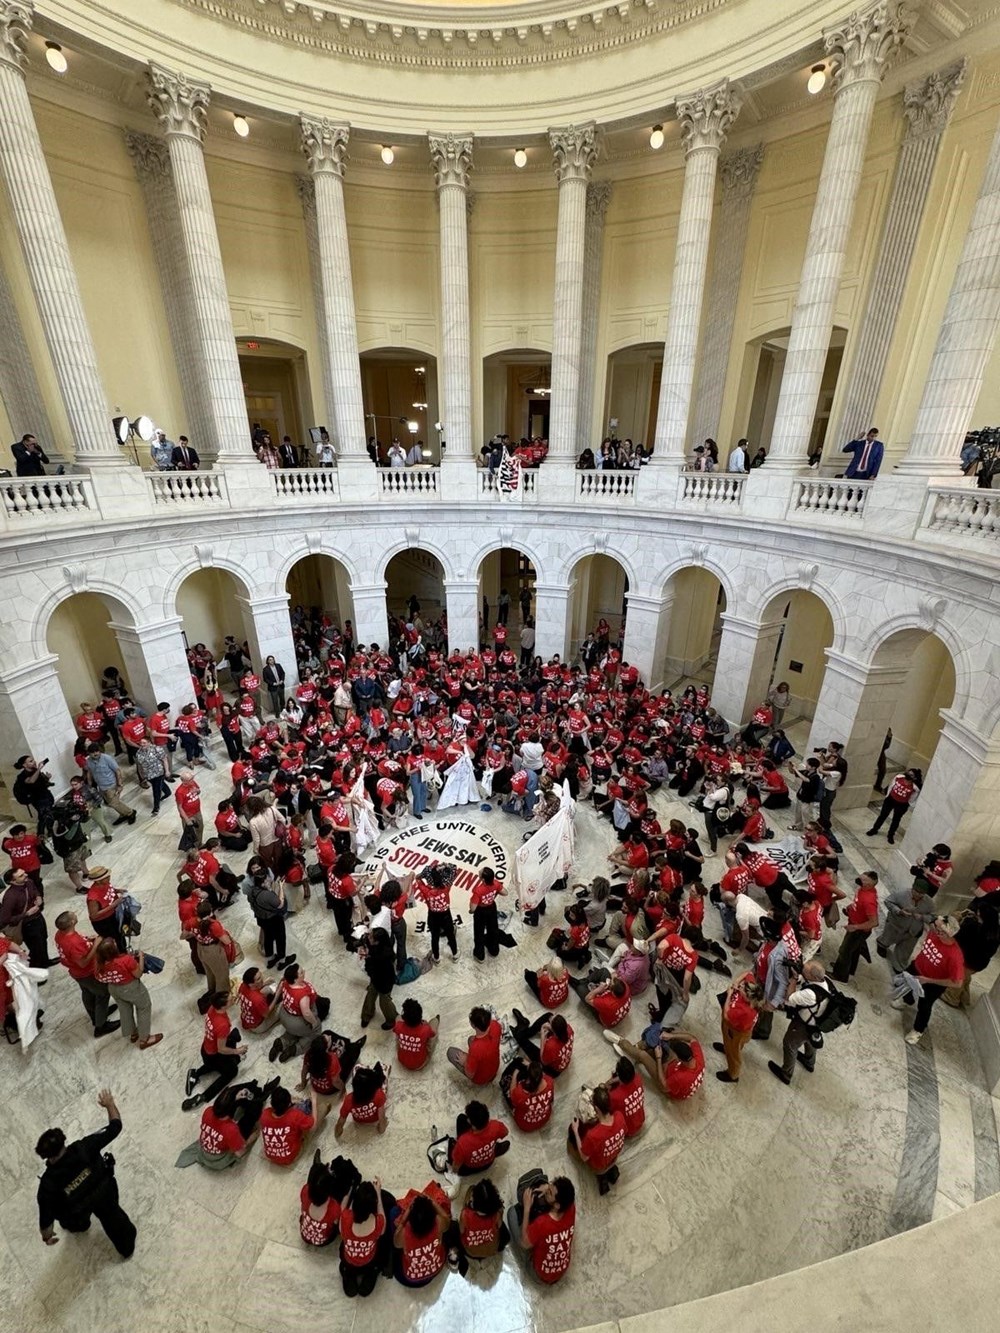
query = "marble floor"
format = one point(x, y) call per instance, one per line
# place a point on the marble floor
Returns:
point(738, 1185)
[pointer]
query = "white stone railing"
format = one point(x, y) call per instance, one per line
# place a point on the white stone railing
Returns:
point(528, 490)
point(717, 488)
point(296, 483)
point(843, 499)
point(418, 481)
point(44, 496)
point(973, 513)
point(183, 488)
point(600, 485)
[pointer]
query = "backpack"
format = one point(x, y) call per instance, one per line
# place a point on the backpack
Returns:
point(838, 1011)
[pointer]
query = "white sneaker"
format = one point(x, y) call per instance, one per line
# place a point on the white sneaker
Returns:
point(912, 1038)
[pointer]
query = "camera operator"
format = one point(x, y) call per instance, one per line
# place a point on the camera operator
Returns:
point(32, 788)
point(79, 1183)
point(807, 995)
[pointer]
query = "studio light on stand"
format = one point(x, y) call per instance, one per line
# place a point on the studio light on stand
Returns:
point(125, 430)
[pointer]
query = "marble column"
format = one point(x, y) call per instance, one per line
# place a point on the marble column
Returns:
point(855, 707)
point(574, 150)
point(705, 118)
point(462, 604)
point(268, 630)
point(451, 157)
point(151, 163)
point(180, 105)
point(860, 48)
point(46, 252)
point(553, 619)
point(325, 147)
point(965, 341)
point(35, 719)
point(371, 617)
point(927, 107)
point(155, 662)
point(598, 198)
point(19, 387)
point(739, 171)
point(745, 664)
point(647, 625)
point(307, 195)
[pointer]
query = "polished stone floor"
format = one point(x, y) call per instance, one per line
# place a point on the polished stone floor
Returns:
point(741, 1184)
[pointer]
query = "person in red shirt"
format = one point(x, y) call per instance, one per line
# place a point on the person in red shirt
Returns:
point(415, 1036)
point(328, 1064)
point(674, 1061)
point(743, 1002)
point(434, 888)
point(530, 1093)
point(610, 1001)
point(364, 1238)
point(572, 944)
point(365, 1102)
point(485, 921)
point(258, 1001)
point(902, 792)
point(478, 1140)
point(232, 835)
point(22, 848)
point(188, 798)
point(550, 983)
point(78, 955)
point(424, 1236)
point(542, 1226)
point(597, 1143)
point(481, 1061)
point(627, 1095)
point(482, 1229)
point(862, 918)
point(555, 1036)
point(220, 1054)
point(987, 882)
point(938, 965)
point(122, 974)
point(229, 1127)
point(320, 1203)
point(283, 1128)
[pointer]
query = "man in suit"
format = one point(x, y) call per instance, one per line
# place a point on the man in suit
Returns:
point(29, 457)
point(867, 460)
point(184, 458)
point(287, 452)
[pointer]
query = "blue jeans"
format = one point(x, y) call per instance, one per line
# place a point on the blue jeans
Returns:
point(419, 789)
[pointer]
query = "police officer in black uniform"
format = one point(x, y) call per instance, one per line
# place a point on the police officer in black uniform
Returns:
point(79, 1182)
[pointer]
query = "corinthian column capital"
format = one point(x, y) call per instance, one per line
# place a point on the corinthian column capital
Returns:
point(927, 105)
point(180, 104)
point(16, 18)
point(451, 158)
point(150, 156)
point(324, 144)
point(575, 151)
point(863, 45)
point(739, 171)
point(707, 115)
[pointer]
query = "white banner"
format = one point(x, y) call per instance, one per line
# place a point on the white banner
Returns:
point(509, 474)
point(547, 855)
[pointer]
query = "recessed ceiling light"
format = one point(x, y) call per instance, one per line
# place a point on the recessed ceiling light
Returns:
point(241, 126)
point(54, 55)
point(817, 79)
point(388, 156)
point(520, 158)
point(656, 137)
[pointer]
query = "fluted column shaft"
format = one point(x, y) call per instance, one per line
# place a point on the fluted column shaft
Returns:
point(451, 156)
point(307, 195)
point(181, 107)
point(46, 251)
point(598, 198)
point(574, 150)
point(151, 162)
point(19, 387)
point(739, 177)
point(325, 148)
point(705, 118)
point(965, 340)
point(927, 107)
point(860, 48)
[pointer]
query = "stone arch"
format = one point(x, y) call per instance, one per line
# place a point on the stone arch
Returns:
point(709, 563)
point(593, 547)
point(922, 625)
point(507, 542)
point(192, 566)
point(415, 542)
point(784, 587)
point(112, 594)
point(312, 546)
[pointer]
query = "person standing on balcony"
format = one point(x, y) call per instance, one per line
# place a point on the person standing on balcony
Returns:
point(326, 455)
point(397, 458)
point(183, 457)
point(738, 459)
point(867, 450)
point(161, 451)
point(29, 457)
point(288, 454)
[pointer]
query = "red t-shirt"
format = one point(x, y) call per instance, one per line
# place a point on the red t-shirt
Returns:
point(411, 1044)
point(219, 1136)
point(479, 1234)
point(532, 1110)
point(422, 1257)
point(217, 1029)
point(611, 1009)
point(681, 1082)
point(603, 1143)
point(629, 1098)
point(864, 906)
point(556, 1054)
point(437, 899)
point(736, 880)
point(940, 961)
point(738, 1012)
point(119, 971)
point(367, 1112)
point(324, 1082)
point(313, 1230)
point(23, 852)
point(282, 1135)
point(676, 954)
point(478, 1147)
point(358, 1251)
point(254, 1005)
point(551, 1241)
point(552, 992)
point(72, 949)
point(188, 798)
point(483, 1058)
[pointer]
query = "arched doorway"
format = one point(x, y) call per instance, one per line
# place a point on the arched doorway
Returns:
point(926, 686)
point(517, 390)
point(81, 635)
point(632, 393)
point(699, 600)
point(760, 387)
point(800, 654)
point(399, 387)
point(600, 584)
point(510, 570)
point(415, 574)
point(318, 584)
point(208, 603)
point(276, 390)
